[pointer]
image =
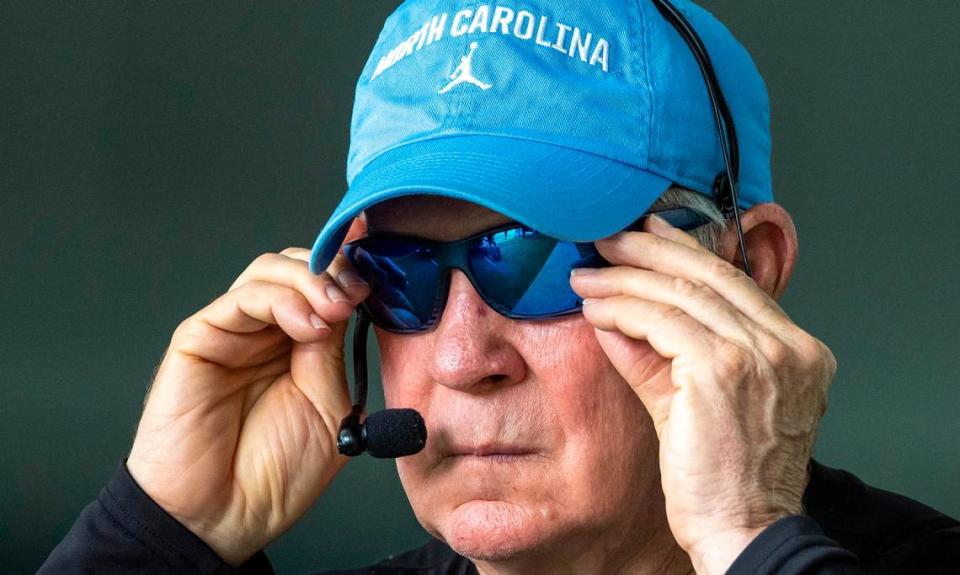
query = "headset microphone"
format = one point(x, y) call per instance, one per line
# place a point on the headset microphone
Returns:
point(385, 434)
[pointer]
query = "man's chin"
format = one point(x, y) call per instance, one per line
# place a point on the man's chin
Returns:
point(495, 530)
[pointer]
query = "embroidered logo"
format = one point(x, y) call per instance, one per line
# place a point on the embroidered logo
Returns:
point(464, 73)
point(544, 32)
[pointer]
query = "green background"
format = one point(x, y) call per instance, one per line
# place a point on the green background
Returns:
point(151, 150)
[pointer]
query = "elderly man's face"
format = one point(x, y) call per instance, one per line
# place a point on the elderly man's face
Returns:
point(536, 444)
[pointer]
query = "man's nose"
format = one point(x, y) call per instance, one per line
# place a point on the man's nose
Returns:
point(474, 350)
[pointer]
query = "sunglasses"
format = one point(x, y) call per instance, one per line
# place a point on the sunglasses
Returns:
point(519, 272)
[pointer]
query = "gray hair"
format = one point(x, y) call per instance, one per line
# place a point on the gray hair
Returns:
point(708, 235)
point(676, 197)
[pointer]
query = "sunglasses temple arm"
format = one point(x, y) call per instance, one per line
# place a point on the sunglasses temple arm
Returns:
point(350, 436)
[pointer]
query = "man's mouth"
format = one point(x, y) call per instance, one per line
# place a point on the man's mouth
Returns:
point(492, 452)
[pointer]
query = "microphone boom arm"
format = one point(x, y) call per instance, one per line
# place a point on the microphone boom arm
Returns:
point(388, 433)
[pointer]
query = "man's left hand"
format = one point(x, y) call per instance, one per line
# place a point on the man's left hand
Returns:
point(736, 397)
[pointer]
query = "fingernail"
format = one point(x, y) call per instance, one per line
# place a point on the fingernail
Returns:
point(582, 271)
point(589, 301)
point(349, 278)
point(335, 294)
point(316, 322)
point(660, 222)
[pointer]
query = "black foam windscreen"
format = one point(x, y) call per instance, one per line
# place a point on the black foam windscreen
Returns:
point(394, 433)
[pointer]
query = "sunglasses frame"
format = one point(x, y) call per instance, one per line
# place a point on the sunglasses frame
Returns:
point(454, 255)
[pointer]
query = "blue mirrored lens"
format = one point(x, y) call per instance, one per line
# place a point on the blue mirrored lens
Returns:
point(519, 272)
point(404, 279)
point(524, 273)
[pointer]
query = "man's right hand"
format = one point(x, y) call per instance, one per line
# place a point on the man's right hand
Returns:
point(238, 434)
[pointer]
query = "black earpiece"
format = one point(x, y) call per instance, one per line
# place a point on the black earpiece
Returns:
point(727, 182)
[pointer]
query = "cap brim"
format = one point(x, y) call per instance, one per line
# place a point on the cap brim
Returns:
point(562, 192)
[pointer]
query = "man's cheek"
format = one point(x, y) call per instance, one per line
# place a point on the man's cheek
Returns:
point(401, 369)
point(560, 342)
point(567, 357)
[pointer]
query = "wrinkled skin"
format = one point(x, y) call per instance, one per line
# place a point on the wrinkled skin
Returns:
point(547, 438)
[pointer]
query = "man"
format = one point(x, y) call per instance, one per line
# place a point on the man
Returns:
point(643, 406)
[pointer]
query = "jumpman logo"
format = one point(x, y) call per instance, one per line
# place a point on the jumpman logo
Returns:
point(463, 73)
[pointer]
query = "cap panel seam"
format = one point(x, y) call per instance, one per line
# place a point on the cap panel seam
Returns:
point(463, 111)
point(653, 125)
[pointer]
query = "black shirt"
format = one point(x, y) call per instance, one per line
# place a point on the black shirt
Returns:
point(848, 527)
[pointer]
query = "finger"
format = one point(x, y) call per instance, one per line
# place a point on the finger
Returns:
point(244, 311)
point(314, 366)
point(317, 370)
point(340, 269)
point(649, 377)
point(302, 254)
point(669, 330)
point(348, 278)
point(330, 300)
point(696, 299)
point(228, 349)
point(672, 258)
point(657, 225)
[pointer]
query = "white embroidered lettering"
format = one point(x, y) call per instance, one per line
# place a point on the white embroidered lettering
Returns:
point(436, 28)
point(458, 28)
point(480, 20)
point(423, 34)
point(491, 19)
point(540, 31)
point(408, 45)
point(502, 17)
point(558, 43)
point(524, 18)
point(600, 54)
point(580, 45)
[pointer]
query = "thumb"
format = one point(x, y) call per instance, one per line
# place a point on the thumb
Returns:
point(645, 371)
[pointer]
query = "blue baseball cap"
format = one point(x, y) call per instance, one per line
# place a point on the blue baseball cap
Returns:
point(569, 117)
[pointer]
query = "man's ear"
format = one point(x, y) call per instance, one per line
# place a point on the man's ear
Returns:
point(770, 240)
point(357, 230)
